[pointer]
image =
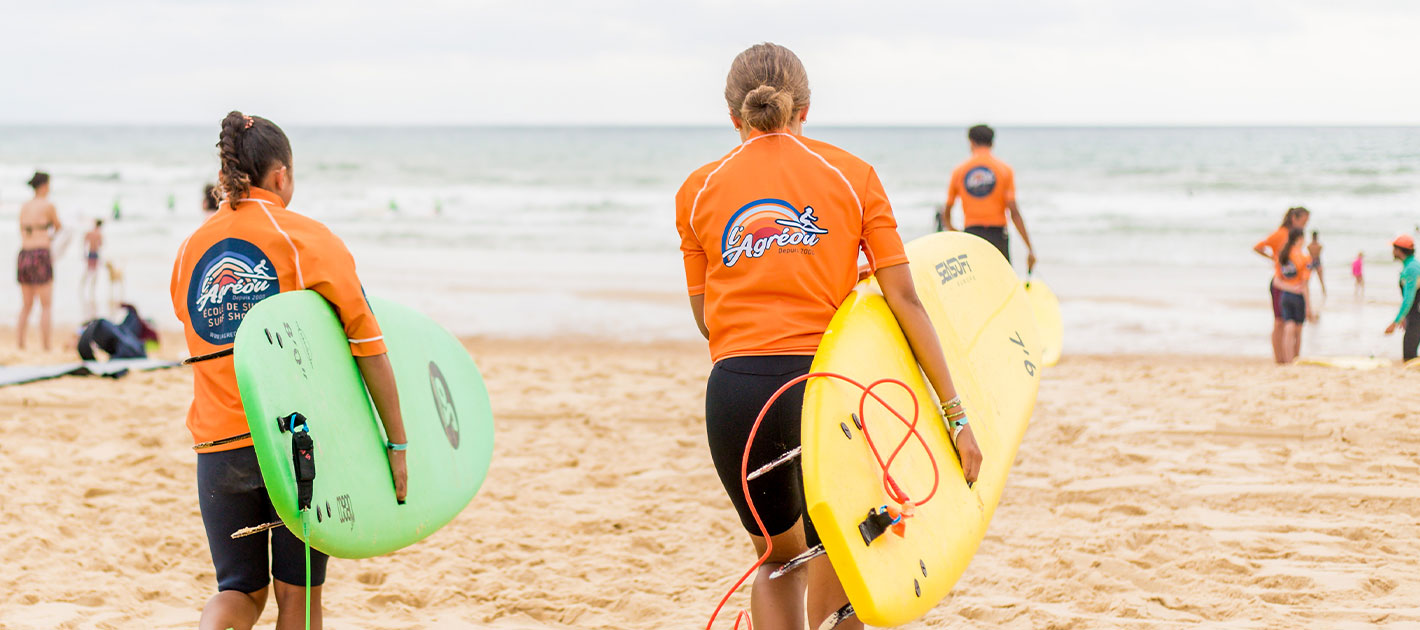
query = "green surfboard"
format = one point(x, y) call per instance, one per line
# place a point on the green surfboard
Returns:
point(292, 357)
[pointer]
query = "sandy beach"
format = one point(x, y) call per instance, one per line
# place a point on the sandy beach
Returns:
point(1150, 492)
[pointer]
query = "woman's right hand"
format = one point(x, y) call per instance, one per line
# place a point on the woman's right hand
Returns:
point(969, 453)
point(400, 472)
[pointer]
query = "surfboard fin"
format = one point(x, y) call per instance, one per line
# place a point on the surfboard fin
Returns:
point(256, 529)
point(778, 461)
point(798, 561)
point(839, 616)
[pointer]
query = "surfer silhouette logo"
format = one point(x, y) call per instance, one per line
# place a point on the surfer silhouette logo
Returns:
point(979, 182)
point(766, 224)
point(231, 277)
point(444, 404)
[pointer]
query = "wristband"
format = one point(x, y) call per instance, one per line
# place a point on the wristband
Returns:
point(397, 447)
point(956, 427)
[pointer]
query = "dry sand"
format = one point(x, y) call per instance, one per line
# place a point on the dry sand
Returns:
point(1150, 493)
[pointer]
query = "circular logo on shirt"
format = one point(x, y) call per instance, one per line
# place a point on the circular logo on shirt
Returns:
point(979, 181)
point(766, 225)
point(231, 277)
point(444, 404)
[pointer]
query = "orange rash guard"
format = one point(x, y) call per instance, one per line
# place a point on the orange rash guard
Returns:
point(785, 217)
point(985, 185)
point(241, 255)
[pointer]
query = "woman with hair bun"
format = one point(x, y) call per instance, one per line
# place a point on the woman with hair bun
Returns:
point(250, 249)
point(785, 217)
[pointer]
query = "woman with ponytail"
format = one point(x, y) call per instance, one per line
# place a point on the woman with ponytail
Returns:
point(1293, 269)
point(770, 236)
point(251, 248)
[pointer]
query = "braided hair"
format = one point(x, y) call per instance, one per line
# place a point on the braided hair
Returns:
point(250, 147)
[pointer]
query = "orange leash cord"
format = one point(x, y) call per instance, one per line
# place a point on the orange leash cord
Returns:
point(895, 492)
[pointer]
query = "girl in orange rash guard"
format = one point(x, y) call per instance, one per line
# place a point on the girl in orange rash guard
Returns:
point(770, 235)
point(251, 248)
point(1295, 218)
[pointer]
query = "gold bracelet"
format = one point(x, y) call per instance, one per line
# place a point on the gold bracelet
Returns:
point(954, 402)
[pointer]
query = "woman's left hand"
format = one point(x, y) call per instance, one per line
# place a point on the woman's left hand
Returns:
point(970, 454)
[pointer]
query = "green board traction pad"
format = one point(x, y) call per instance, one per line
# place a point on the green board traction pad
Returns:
point(292, 357)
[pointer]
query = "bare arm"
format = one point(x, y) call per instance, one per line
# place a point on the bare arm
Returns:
point(1020, 222)
point(379, 379)
point(697, 308)
point(947, 213)
point(901, 295)
point(54, 218)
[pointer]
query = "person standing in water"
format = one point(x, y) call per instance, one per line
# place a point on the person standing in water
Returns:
point(1293, 273)
point(987, 188)
point(1358, 271)
point(251, 249)
point(88, 285)
point(209, 199)
point(34, 270)
point(764, 309)
point(1403, 249)
point(1295, 218)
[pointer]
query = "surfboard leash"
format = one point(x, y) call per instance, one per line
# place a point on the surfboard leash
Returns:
point(890, 485)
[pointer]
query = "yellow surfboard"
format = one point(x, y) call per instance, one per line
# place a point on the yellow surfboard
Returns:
point(988, 333)
point(1347, 363)
point(1047, 318)
point(1413, 364)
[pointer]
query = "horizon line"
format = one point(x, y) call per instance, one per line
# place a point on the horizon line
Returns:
point(831, 125)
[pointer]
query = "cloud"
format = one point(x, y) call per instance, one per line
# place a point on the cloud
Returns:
point(623, 62)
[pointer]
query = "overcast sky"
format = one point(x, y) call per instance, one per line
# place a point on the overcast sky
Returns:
point(1009, 62)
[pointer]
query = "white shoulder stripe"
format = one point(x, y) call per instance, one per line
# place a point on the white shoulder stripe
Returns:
point(367, 340)
point(856, 201)
point(731, 156)
point(294, 252)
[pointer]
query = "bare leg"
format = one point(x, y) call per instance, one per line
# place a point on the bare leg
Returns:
point(27, 293)
point(233, 609)
point(88, 301)
point(46, 295)
point(826, 595)
point(1291, 333)
point(1277, 341)
point(779, 604)
point(291, 606)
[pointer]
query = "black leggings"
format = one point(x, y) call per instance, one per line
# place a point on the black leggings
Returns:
point(734, 395)
point(1412, 332)
point(232, 495)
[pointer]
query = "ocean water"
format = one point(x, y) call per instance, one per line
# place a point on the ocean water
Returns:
point(1145, 233)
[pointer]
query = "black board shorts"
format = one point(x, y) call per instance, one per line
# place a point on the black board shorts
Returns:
point(233, 496)
point(736, 391)
point(996, 235)
point(1293, 307)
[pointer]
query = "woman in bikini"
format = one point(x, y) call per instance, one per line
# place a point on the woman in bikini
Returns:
point(39, 222)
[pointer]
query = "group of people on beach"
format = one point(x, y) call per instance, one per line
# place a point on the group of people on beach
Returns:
point(40, 228)
point(1294, 261)
point(762, 310)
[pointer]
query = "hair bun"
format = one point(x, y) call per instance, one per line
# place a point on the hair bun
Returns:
point(767, 108)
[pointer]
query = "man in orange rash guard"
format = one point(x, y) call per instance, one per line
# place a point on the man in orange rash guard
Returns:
point(987, 188)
